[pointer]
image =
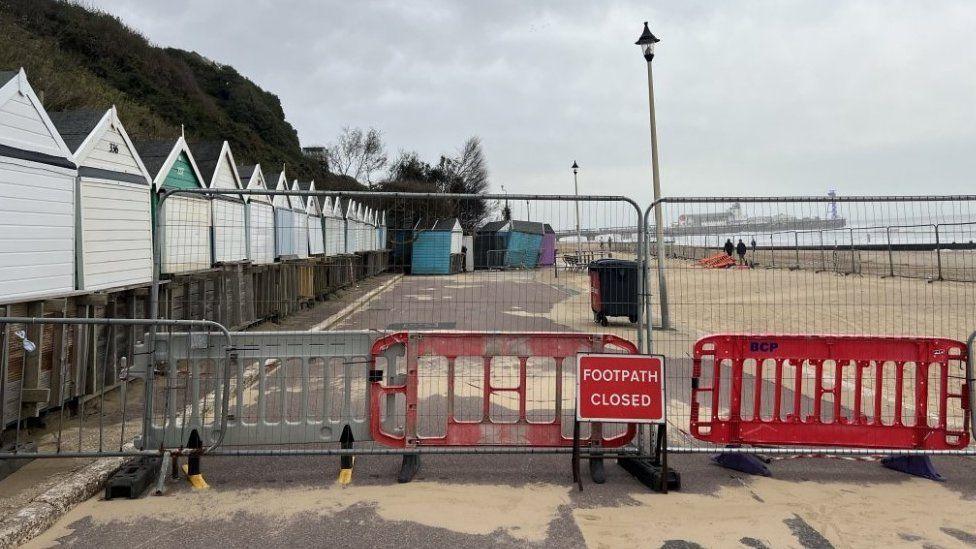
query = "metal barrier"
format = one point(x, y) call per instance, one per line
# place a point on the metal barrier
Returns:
point(812, 265)
point(816, 390)
point(485, 389)
point(285, 388)
point(111, 420)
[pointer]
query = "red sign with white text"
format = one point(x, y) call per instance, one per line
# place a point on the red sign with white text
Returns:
point(623, 388)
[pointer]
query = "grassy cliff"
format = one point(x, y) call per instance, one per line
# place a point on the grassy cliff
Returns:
point(76, 57)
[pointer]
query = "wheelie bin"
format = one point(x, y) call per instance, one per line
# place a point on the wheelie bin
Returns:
point(614, 285)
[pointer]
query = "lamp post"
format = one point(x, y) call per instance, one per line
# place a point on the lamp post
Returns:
point(579, 238)
point(646, 43)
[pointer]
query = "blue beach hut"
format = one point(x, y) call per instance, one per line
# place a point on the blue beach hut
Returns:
point(435, 241)
point(524, 244)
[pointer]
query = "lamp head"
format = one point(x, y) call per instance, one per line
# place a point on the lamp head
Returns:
point(646, 42)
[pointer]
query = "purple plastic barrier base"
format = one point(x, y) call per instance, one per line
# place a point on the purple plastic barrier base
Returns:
point(919, 466)
point(744, 463)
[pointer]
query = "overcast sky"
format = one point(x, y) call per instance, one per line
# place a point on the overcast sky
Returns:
point(752, 97)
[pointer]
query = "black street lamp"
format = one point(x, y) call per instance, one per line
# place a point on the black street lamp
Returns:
point(646, 43)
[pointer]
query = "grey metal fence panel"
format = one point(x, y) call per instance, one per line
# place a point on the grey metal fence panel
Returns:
point(886, 266)
point(284, 388)
point(108, 421)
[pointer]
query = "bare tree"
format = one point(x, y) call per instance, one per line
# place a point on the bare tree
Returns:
point(357, 153)
point(467, 173)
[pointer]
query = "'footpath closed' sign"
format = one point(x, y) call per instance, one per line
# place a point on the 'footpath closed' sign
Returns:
point(623, 388)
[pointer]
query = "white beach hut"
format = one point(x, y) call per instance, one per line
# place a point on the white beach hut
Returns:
point(216, 163)
point(381, 231)
point(260, 217)
point(284, 217)
point(335, 228)
point(373, 237)
point(367, 239)
point(351, 226)
point(114, 220)
point(37, 197)
point(316, 239)
point(182, 223)
point(301, 222)
point(363, 229)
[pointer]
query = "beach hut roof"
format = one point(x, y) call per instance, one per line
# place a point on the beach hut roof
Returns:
point(254, 177)
point(530, 227)
point(494, 226)
point(311, 202)
point(55, 151)
point(297, 202)
point(548, 229)
point(210, 155)
point(159, 156)
point(447, 224)
point(277, 181)
point(82, 130)
point(75, 126)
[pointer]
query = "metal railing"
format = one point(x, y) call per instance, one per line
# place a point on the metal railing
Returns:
point(83, 427)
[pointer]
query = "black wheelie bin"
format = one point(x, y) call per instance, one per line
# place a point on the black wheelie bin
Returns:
point(614, 285)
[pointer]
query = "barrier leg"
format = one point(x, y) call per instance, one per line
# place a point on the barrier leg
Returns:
point(597, 472)
point(346, 462)
point(161, 480)
point(654, 472)
point(919, 466)
point(744, 463)
point(409, 468)
point(192, 467)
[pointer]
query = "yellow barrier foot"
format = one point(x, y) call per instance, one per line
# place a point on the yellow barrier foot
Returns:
point(345, 474)
point(196, 481)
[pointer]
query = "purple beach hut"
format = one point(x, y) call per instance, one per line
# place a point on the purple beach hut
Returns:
point(547, 254)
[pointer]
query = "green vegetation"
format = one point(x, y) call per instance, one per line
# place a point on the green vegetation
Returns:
point(76, 57)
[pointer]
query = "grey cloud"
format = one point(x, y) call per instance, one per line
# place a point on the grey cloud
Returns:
point(752, 97)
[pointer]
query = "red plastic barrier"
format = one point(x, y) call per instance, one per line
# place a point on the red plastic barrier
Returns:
point(519, 427)
point(824, 390)
point(717, 261)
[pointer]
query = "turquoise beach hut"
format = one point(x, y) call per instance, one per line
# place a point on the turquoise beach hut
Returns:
point(435, 243)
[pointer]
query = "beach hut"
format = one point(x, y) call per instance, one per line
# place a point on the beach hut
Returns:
point(435, 243)
point(370, 233)
point(335, 237)
point(364, 229)
point(350, 226)
point(316, 239)
point(216, 163)
point(381, 231)
point(284, 216)
point(547, 254)
point(361, 228)
point(113, 216)
point(490, 244)
point(300, 227)
point(37, 197)
point(259, 215)
point(524, 244)
point(182, 224)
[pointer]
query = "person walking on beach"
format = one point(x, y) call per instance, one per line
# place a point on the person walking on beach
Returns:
point(753, 244)
point(740, 249)
point(729, 248)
